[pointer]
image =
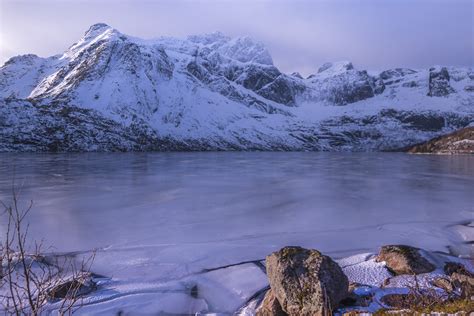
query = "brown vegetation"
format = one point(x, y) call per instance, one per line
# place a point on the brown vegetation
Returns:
point(28, 278)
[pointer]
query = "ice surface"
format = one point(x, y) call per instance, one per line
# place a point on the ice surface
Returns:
point(162, 222)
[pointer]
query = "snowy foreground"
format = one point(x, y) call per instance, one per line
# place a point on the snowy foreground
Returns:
point(238, 289)
point(114, 92)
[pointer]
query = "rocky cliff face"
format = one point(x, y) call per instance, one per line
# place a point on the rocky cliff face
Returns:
point(110, 91)
point(458, 142)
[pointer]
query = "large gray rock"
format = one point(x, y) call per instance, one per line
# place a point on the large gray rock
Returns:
point(439, 82)
point(401, 259)
point(306, 282)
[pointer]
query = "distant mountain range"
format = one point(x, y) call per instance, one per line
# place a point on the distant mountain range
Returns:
point(114, 92)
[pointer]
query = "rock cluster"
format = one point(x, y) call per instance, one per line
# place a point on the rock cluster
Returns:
point(306, 282)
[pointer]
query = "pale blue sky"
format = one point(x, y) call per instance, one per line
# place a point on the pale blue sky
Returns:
point(301, 35)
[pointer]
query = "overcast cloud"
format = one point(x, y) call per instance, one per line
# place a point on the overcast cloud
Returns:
point(301, 35)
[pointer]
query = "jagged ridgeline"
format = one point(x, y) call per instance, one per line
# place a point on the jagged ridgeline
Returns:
point(114, 92)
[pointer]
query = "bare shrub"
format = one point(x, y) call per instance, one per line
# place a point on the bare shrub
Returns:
point(29, 279)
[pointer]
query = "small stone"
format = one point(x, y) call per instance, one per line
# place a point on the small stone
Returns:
point(444, 284)
point(401, 259)
point(270, 306)
point(306, 282)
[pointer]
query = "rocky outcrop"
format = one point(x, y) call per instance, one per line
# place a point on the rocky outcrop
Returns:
point(393, 76)
point(305, 282)
point(458, 142)
point(439, 82)
point(401, 259)
point(297, 275)
point(341, 84)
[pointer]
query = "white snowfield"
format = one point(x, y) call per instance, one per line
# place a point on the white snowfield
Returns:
point(212, 92)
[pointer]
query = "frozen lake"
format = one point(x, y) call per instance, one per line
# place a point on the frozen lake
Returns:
point(159, 217)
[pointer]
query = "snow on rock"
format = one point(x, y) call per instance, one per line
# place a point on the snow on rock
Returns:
point(439, 82)
point(213, 92)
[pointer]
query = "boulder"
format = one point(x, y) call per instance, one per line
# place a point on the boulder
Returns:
point(401, 259)
point(439, 82)
point(306, 282)
point(270, 306)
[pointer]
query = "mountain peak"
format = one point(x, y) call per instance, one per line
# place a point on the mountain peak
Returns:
point(339, 66)
point(98, 27)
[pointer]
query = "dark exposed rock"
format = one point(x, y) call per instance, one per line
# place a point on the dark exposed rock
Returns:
point(297, 75)
point(464, 283)
point(461, 278)
point(350, 92)
point(265, 80)
point(378, 86)
point(401, 259)
point(396, 73)
point(354, 299)
point(356, 86)
point(458, 142)
point(423, 122)
point(344, 66)
point(270, 306)
point(455, 267)
point(282, 90)
point(469, 88)
point(75, 287)
point(410, 84)
point(439, 82)
point(306, 282)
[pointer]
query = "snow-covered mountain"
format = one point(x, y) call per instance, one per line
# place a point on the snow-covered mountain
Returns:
point(111, 91)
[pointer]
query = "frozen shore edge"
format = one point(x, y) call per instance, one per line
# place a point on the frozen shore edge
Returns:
point(370, 279)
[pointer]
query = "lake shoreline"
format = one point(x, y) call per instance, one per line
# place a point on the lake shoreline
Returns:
point(372, 285)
